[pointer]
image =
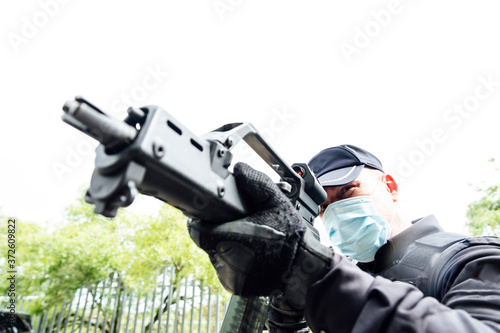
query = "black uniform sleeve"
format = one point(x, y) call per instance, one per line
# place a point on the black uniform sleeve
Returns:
point(350, 300)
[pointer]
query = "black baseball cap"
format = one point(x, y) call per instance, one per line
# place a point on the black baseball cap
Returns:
point(342, 164)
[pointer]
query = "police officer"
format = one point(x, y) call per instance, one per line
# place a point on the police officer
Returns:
point(410, 276)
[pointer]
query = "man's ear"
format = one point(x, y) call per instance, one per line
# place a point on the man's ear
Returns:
point(392, 187)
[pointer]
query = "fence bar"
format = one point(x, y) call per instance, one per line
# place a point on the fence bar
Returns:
point(137, 310)
point(144, 313)
point(43, 320)
point(111, 303)
point(69, 313)
point(200, 314)
point(35, 323)
point(177, 299)
point(151, 321)
point(116, 305)
point(129, 308)
point(76, 311)
point(99, 306)
point(60, 315)
point(162, 301)
point(192, 307)
point(91, 308)
point(82, 321)
point(121, 310)
point(21, 306)
point(53, 317)
point(209, 307)
point(170, 295)
point(184, 304)
point(106, 307)
point(217, 310)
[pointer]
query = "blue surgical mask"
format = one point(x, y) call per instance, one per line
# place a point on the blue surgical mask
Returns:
point(356, 228)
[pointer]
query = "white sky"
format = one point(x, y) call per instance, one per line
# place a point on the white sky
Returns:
point(389, 76)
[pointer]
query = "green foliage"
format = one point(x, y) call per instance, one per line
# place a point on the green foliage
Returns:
point(88, 248)
point(30, 239)
point(483, 215)
point(156, 240)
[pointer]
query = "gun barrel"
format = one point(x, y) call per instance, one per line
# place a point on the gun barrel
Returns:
point(109, 131)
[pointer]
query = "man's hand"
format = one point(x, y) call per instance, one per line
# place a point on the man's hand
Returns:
point(269, 252)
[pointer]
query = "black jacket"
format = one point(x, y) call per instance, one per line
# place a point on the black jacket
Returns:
point(461, 274)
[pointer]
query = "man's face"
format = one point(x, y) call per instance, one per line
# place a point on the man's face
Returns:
point(370, 182)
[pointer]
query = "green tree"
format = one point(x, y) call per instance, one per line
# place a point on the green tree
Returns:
point(483, 215)
point(86, 249)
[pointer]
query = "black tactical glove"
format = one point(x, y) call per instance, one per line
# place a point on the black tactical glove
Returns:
point(269, 252)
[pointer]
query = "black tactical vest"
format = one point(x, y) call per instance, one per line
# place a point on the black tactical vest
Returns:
point(433, 262)
point(424, 260)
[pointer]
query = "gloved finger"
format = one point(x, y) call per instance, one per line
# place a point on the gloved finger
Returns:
point(236, 229)
point(259, 191)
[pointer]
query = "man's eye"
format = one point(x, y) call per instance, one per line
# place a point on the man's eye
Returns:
point(347, 190)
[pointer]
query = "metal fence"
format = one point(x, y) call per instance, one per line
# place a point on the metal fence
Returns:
point(186, 306)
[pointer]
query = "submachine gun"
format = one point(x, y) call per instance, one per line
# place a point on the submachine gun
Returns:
point(150, 152)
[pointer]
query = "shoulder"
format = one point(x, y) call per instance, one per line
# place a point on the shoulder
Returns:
point(462, 260)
